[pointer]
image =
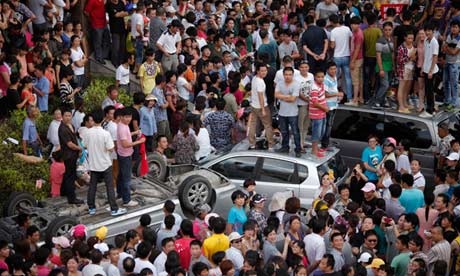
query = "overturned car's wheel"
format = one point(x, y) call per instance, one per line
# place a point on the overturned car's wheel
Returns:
point(157, 166)
point(16, 201)
point(60, 226)
point(195, 190)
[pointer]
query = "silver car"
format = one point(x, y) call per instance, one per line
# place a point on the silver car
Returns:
point(276, 172)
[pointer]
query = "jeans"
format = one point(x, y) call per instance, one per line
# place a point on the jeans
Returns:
point(118, 48)
point(450, 80)
point(124, 178)
point(318, 127)
point(369, 73)
point(383, 85)
point(68, 181)
point(343, 64)
point(139, 46)
point(429, 93)
point(330, 115)
point(285, 123)
point(108, 179)
point(98, 35)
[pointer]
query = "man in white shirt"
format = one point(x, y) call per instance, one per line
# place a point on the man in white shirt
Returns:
point(260, 109)
point(441, 187)
point(316, 247)
point(94, 267)
point(52, 134)
point(111, 269)
point(120, 243)
point(287, 62)
point(112, 95)
point(305, 81)
point(168, 43)
point(110, 124)
point(137, 33)
point(167, 246)
point(419, 179)
point(264, 24)
point(340, 41)
point(142, 260)
point(122, 73)
point(168, 209)
point(234, 252)
point(100, 145)
point(430, 68)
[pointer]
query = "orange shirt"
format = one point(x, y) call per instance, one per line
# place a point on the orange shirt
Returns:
point(31, 100)
point(49, 74)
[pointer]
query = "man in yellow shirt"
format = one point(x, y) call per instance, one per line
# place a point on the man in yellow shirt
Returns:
point(148, 71)
point(218, 241)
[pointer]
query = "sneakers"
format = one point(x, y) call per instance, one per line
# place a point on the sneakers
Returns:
point(425, 114)
point(131, 203)
point(376, 106)
point(92, 211)
point(120, 211)
point(351, 103)
point(298, 154)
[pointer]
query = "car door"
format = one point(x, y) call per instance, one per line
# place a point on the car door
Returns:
point(277, 175)
point(420, 137)
point(351, 130)
point(236, 168)
point(309, 183)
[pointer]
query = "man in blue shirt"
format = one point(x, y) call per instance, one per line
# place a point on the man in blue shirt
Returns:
point(42, 88)
point(30, 136)
point(371, 157)
point(411, 198)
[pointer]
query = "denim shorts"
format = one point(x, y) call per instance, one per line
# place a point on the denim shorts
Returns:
point(318, 127)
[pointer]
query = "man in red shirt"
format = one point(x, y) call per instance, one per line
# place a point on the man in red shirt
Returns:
point(317, 112)
point(95, 10)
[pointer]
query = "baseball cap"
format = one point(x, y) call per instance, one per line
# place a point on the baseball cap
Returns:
point(364, 258)
point(101, 233)
point(376, 263)
point(258, 198)
point(61, 241)
point(453, 156)
point(390, 141)
point(368, 187)
point(234, 236)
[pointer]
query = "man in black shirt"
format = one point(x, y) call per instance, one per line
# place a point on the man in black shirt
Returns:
point(138, 101)
point(401, 30)
point(13, 100)
point(117, 12)
point(315, 44)
point(70, 152)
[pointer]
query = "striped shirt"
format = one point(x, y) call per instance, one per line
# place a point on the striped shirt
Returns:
point(330, 85)
point(317, 95)
point(440, 251)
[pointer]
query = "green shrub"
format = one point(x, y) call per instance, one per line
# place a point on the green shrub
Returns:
point(97, 91)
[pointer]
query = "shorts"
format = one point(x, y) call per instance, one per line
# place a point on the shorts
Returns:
point(357, 73)
point(318, 127)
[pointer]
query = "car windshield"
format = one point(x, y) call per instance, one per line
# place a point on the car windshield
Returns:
point(334, 165)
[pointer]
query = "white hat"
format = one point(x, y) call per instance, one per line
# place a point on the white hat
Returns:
point(61, 241)
point(453, 156)
point(369, 187)
point(103, 247)
point(234, 236)
point(170, 9)
point(365, 258)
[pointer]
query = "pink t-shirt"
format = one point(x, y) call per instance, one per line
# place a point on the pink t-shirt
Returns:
point(43, 270)
point(3, 265)
point(57, 170)
point(123, 133)
point(358, 39)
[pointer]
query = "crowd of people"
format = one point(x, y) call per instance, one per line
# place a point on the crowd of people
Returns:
point(211, 74)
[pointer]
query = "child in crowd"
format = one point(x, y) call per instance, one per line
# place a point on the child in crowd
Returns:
point(57, 170)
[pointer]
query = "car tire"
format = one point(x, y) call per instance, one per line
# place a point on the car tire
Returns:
point(193, 191)
point(11, 205)
point(157, 166)
point(60, 226)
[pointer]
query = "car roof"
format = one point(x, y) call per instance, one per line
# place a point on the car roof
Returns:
point(437, 118)
point(242, 148)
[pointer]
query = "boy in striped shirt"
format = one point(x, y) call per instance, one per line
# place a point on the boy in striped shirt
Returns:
point(317, 111)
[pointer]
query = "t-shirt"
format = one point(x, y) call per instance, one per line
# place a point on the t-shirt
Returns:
point(183, 249)
point(122, 75)
point(271, 49)
point(370, 39)
point(136, 19)
point(419, 180)
point(148, 72)
point(288, 109)
point(29, 131)
point(257, 86)
point(123, 133)
point(314, 38)
point(287, 49)
point(453, 42)
point(412, 199)
point(330, 86)
point(36, 7)
point(237, 217)
point(341, 36)
point(42, 101)
point(117, 24)
point(326, 10)
point(98, 142)
point(400, 263)
point(358, 40)
point(305, 84)
point(372, 158)
point(77, 55)
point(269, 251)
point(183, 92)
point(431, 47)
point(96, 11)
point(385, 48)
point(317, 95)
point(141, 264)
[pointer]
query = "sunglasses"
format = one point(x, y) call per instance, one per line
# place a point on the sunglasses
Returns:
point(237, 241)
point(372, 240)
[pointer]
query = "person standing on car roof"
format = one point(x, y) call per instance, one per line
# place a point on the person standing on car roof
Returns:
point(333, 97)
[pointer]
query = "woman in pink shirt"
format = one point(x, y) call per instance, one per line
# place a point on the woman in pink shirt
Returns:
point(426, 216)
point(420, 83)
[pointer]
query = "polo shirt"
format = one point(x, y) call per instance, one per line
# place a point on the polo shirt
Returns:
point(419, 180)
point(168, 41)
point(431, 47)
point(215, 243)
point(98, 142)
